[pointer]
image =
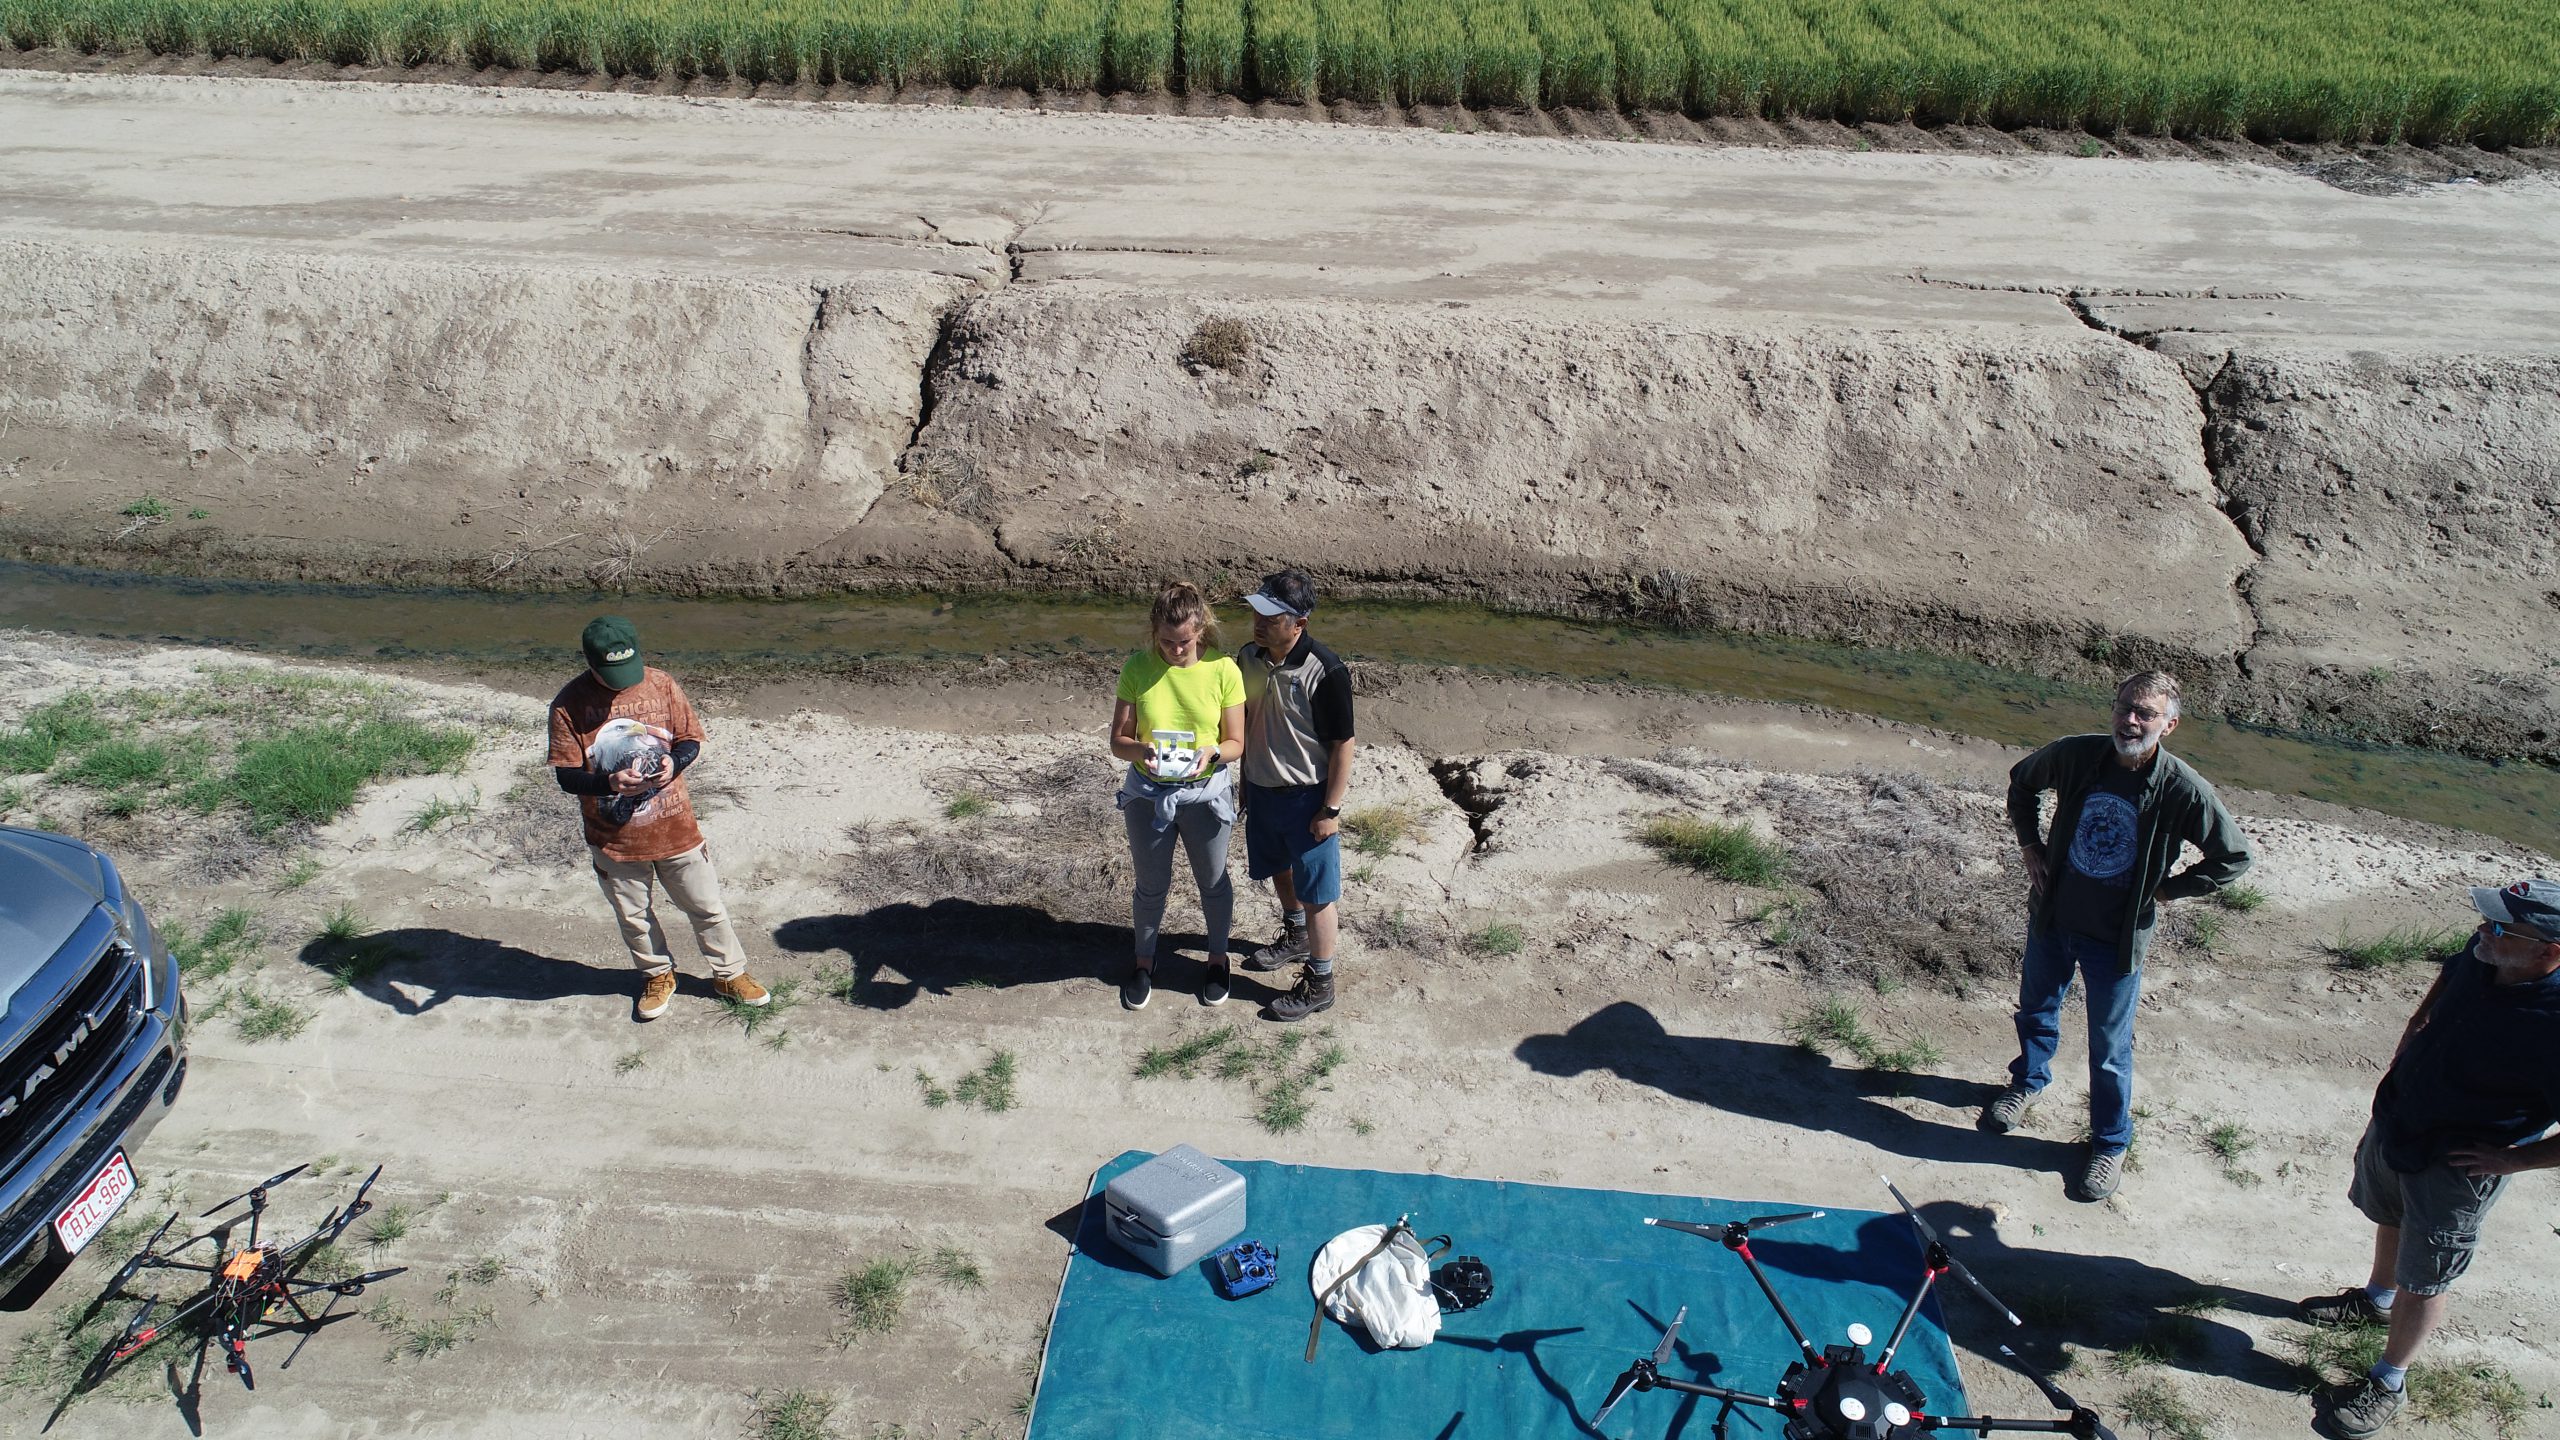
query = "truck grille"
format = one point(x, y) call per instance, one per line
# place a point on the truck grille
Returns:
point(53, 1068)
point(36, 1212)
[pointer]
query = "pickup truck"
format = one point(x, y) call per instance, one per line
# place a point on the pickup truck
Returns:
point(92, 1050)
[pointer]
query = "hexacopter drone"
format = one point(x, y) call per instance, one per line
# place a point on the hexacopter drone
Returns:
point(1837, 1393)
point(251, 1292)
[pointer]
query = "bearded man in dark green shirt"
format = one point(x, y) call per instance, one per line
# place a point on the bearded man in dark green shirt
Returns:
point(2124, 807)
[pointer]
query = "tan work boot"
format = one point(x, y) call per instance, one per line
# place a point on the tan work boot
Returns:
point(742, 988)
point(655, 996)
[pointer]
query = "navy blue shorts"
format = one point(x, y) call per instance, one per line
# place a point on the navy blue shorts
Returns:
point(1275, 834)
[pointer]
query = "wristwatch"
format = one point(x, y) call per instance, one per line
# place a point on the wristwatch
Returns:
point(1331, 812)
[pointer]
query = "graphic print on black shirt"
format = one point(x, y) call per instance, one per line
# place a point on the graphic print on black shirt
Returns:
point(2099, 862)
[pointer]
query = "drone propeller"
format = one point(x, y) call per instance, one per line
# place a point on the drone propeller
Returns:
point(1955, 1266)
point(1732, 1227)
point(1627, 1382)
point(269, 1183)
point(2060, 1397)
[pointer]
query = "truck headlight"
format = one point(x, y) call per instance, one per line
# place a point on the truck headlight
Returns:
point(134, 932)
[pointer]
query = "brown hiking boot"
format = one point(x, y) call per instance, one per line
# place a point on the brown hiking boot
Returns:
point(1314, 993)
point(655, 996)
point(742, 989)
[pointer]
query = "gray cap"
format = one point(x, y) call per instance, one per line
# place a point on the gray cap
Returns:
point(2534, 902)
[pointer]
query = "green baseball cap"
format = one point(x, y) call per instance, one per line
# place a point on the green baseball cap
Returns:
point(613, 651)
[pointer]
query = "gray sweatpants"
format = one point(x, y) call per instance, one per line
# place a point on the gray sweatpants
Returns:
point(1202, 834)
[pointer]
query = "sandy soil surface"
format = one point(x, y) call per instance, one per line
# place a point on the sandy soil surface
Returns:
point(669, 1228)
point(1272, 209)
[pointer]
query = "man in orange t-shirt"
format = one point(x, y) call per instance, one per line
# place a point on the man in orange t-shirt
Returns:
point(622, 735)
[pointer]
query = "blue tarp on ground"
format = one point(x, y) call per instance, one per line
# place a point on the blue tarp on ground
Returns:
point(1582, 1286)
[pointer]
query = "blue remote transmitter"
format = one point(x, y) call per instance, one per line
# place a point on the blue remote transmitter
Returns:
point(1244, 1268)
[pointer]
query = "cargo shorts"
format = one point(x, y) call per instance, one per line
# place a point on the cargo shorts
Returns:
point(2437, 1211)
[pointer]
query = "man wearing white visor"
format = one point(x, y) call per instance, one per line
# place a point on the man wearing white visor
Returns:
point(2473, 1086)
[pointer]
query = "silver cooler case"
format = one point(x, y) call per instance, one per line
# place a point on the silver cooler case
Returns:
point(1172, 1210)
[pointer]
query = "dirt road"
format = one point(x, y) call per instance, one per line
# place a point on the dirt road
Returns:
point(1274, 209)
point(665, 1209)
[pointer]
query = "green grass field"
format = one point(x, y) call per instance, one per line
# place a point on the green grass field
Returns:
point(2479, 70)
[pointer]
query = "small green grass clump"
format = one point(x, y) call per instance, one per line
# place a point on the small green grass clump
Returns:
point(344, 924)
point(122, 765)
point(311, 774)
point(990, 1086)
point(390, 1226)
point(2207, 928)
point(227, 939)
point(1499, 938)
point(1377, 830)
point(1284, 1073)
point(967, 805)
point(2157, 1408)
point(2228, 1140)
point(1727, 852)
point(483, 1271)
point(1184, 1057)
point(68, 724)
point(1832, 1024)
point(440, 809)
point(2404, 945)
point(935, 1097)
point(792, 1415)
point(1835, 1024)
point(956, 1268)
point(874, 1297)
point(780, 999)
point(262, 1017)
point(364, 960)
point(2240, 899)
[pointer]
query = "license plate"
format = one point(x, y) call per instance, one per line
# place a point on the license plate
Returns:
point(81, 1220)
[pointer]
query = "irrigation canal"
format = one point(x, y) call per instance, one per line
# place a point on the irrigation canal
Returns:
point(2518, 801)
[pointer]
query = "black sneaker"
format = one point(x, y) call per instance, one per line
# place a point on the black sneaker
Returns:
point(1314, 993)
point(1216, 986)
point(1135, 989)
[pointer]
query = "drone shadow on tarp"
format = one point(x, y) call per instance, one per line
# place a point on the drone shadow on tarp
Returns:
point(902, 951)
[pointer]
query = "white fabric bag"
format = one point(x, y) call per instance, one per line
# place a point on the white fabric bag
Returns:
point(1390, 1297)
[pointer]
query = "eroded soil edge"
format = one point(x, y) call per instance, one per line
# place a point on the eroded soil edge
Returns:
point(2317, 538)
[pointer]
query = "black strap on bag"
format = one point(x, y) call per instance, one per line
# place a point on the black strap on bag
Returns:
point(1436, 1245)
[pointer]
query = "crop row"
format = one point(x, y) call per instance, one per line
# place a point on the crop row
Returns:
point(2484, 70)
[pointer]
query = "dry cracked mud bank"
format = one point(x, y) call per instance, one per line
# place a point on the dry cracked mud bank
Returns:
point(2328, 530)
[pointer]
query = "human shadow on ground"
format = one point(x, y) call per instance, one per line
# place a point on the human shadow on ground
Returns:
point(415, 969)
point(1790, 1086)
point(899, 952)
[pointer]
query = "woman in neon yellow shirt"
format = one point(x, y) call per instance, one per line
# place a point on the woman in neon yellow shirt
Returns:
point(1178, 720)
